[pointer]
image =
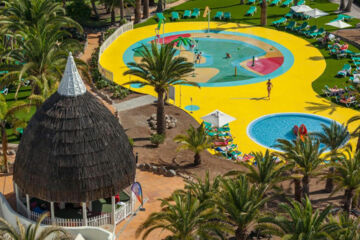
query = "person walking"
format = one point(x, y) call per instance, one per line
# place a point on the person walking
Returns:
point(269, 87)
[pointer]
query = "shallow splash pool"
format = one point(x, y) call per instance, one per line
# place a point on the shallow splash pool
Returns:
point(271, 59)
point(267, 129)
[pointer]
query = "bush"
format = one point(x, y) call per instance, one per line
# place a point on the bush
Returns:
point(131, 141)
point(79, 10)
point(157, 139)
point(102, 84)
point(119, 92)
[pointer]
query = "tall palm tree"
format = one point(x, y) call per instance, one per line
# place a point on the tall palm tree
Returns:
point(195, 140)
point(356, 132)
point(305, 156)
point(263, 12)
point(299, 221)
point(185, 217)
point(32, 232)
point(146, 9)
point(8, 117)
point(347, 176)
point(137, 10)
point(342, 5)
point(160, 68)
point(348, 6)
point(333, 137)
point(93, 5)
point(122, 10)
point(241, 203)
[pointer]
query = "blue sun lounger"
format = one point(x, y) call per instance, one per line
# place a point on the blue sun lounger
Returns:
point(227, 16)
point(195, 13)
point(301, 2)
point(5, 91)
point(160, 16)
point(275, 2)
point(251, 1)
point(286, 3)
point(345, 71)
point(342, 17)
point(175, 16)
point(303, 26)
point(280, 21)
point(311, 30)
point(187, 14)
point(219, 15)
point(251, 11)
point(319, 32)
point(290, 26)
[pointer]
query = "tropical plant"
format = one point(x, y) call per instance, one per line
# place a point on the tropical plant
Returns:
point(348, 228)
point(8, 117)
point(186, 218)
point(347, 177)
point(160, 68)
point(299, 221)
point(305, 156)
point(333, 137)
point(32, 232)
point(356, 132)
point(195, 140)
point(241, 203)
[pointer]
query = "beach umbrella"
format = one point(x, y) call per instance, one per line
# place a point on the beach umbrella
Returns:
point(218, 118)
point(338, 24)
point(315, 13)
point(301, 8)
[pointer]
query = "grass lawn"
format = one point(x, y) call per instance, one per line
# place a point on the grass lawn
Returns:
point(274, 12)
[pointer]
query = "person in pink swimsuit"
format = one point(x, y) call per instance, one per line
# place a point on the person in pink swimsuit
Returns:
point(269, 87)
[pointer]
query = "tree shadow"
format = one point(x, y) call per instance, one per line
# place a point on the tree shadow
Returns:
point(324, 106)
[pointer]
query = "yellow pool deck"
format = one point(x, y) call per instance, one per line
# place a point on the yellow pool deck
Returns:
point(292, 91)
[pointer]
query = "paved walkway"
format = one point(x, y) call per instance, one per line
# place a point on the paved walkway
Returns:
point(355, 10)
point(134, 103)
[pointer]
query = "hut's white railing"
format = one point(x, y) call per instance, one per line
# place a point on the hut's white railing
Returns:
point(123, 212)
point(21, 207)
point(34, 216)
point(66, 222)
point(124, 28)
point(100, 220)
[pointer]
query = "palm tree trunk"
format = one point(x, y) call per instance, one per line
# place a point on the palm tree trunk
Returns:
point(329, 186)
point(197, 159)
point(4, 144)
point(159, 6)
point(348, 6)
point(121, 5)
point(240, 234)
point(137, 11)
point(263, 13)
point(112, 16)
point(342, 5)
point(93, 5)
point(297, 190)
point(146, 9)
point(305, 183)
point(152, 2)
point(348, 200)
point(242, 1)
point(160, 116)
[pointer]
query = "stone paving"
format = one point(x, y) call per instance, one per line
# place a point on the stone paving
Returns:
point(134, 103)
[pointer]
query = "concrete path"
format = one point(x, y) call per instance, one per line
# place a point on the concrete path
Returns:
point(355, 10)
point(134, 103)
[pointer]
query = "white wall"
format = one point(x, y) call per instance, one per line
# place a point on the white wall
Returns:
point(89, 233)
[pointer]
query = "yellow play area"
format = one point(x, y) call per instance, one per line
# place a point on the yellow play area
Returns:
point(292, 91)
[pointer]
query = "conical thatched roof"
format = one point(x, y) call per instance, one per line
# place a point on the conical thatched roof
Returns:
point(74, 149)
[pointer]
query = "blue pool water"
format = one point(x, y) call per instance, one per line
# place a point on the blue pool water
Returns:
point(267, 129)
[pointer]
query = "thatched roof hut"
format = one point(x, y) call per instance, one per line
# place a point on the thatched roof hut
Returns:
point(74, 149)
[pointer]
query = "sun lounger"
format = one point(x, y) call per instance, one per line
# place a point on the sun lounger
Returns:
point(219, 15)
point(187, 14)
point(345, 71)
point(175, 16)
point(311, 30)
point(291, 25)
point(348, 101)
point(278, 22)
point(227, 16)
point(251, 11)
point(301, 2)
point(286, 3)
point(319, 33)
point(289, 14)
point(195, 13)
point(303, 26)
point(355, 79)
point(251, 1)
point(5, 91)
point(160, 16)
point(275, 2)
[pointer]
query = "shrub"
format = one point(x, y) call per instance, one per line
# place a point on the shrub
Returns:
point(131, 141)
point(102, 84)
point(157, 139)
point(119, 92)
point(79, 10)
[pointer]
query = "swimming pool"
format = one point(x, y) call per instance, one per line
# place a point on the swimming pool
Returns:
point(267, 129)
point(271, 58)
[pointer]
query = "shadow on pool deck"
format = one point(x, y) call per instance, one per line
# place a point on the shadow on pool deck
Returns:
point(326, 105)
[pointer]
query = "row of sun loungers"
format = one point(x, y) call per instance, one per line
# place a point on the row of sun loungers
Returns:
point(341, 95)
point(251, 11)
point(304, 28)
point(194, 14)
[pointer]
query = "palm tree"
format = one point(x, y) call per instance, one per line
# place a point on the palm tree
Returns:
point(347, 227)
point(121, 6)
point(356, 132)
point(263, 12)
point(32, 231)
point(347, 176)
point(333, 137)
point(299, 221)
point(185, 217)
point(8, 117)
point(305, 156)
point(342, 5)
point(160, 68)
point(196, 140)
point(241, 203)
point(93, 5)
point(146, 9)
point(137, 10)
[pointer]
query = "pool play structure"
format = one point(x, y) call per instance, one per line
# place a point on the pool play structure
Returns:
point(267, 129)
point(245, 97)
point(223, 58)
